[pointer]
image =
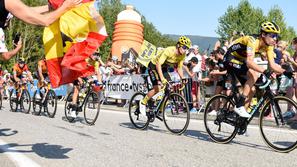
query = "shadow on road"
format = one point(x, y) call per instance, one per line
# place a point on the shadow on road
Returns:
point(196, 134)
point(77, 119)
point(76, 132)
point(50, 151)
point(150, 127)
point(7, 132)
point(205, 137)
point(44, 150)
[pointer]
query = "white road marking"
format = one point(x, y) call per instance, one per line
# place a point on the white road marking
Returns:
point(16, 157)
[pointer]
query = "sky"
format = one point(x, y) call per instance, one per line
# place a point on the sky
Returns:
point(200, 17)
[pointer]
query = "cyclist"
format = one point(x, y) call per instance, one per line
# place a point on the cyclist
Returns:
point(158, 67)
point(93, 60)
point(42, 74)
point(239, 59)
point(20, 69)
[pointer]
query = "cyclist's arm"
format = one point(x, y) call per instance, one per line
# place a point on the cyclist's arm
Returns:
point(187, 70)
point(180, 73)
point(252, 65)
point(180, 69)
point(40, 73)
point(25, 13)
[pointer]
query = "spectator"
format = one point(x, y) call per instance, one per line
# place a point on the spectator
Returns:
point(195, 74)
point(294, 63)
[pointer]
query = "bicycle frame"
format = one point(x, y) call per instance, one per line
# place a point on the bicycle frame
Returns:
point(268, 95)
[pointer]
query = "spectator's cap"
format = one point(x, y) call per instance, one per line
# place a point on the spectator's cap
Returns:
point(195, 47)
point(194, 60)
point(114, 58)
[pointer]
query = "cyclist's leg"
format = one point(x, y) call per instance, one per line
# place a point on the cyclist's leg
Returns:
point(249, 89)
point(245, 76)
point(154, 76)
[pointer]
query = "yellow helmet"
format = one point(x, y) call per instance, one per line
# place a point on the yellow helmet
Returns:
point(184, 41)
point(270, 27)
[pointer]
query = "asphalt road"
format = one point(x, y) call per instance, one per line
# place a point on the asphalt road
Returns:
point(29, 140)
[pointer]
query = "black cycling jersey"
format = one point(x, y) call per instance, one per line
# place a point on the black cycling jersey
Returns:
point(3, 13)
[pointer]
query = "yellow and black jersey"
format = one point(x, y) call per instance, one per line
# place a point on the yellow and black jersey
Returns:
point(242, 45)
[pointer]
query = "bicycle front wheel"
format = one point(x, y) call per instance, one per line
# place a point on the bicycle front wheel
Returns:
point(25, 101)
point(51, 103)
point(139, 120)
point(176, 115)
point(279, 132)
point(91, 108)
point(68, 108)
point(37, 106)
point(13, 101)
point(220, 119)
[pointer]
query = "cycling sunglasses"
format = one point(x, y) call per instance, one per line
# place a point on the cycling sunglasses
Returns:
point(273, 35)
point(185, 47)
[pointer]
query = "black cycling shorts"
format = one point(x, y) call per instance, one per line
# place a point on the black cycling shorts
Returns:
point(153, 73)
point(237, 67)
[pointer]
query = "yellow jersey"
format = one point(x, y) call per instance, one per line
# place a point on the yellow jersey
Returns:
point(169, 57)
point(248, 43)
point(93, 63)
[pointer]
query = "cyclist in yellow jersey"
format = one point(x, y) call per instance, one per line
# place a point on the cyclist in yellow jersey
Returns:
point(240, 60)
point(170, 56)
point(93, 60)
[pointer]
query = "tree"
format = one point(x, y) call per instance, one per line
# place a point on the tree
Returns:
point(32, 49)
point(241, 18)
point(246, 18)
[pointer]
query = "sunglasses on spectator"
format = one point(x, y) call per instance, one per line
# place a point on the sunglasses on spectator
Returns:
point(185, 47)
point(272, 35)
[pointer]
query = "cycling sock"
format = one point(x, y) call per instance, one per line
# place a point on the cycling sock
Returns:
point(145, 100)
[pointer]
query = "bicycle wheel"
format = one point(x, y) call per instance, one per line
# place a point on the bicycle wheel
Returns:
point(91, 108)
point(176, 115)
point(220, 119)
point(13, 101)
point(140, 121)
point(25, 101)
point(279, 133)
point(67, 108)
point(37, 106)
point(51, 103)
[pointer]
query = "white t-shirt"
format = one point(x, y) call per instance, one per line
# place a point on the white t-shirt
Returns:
point(3, 48)
point(197, 71)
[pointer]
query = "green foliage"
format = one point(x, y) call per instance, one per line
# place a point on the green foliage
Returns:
point(32, 49)
point(32, 35)
point(246, 18)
